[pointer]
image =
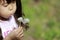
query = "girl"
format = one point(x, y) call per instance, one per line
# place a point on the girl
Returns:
point(10, 27)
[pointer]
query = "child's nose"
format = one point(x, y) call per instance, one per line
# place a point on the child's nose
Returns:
point(10, 7)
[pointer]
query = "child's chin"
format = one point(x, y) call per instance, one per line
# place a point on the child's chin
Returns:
point(7, 18)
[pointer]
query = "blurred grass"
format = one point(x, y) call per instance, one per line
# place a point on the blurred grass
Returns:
point(44, 19)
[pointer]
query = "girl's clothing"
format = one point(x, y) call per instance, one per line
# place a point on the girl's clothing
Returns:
point(8, 26)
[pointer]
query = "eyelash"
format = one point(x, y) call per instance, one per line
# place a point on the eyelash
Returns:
point(5, 4)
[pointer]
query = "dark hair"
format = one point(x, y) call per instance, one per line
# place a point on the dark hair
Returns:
point(19, 13)
point(1, 38)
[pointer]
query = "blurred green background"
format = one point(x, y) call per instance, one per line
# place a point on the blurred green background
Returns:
point(44, 18)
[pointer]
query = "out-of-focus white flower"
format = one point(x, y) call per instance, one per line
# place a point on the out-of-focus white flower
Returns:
point(26, 20)
point(20, 19)
point(23, 20)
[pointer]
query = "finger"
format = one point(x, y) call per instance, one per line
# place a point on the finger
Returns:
point(20, 33)
point(22, 36)
point(18, 30)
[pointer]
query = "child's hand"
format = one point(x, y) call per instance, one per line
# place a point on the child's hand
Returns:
point(16, 34)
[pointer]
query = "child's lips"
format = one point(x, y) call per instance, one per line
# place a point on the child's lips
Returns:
point(10, 15)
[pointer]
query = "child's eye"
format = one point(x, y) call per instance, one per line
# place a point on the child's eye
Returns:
point(5, 5)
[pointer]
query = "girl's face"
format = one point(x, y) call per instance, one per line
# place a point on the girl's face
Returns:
point(6, 10)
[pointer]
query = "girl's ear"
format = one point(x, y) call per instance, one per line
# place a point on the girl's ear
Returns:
point(1, 38)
